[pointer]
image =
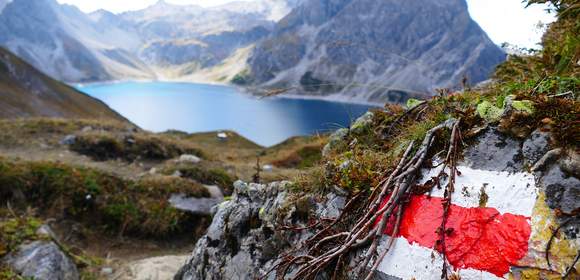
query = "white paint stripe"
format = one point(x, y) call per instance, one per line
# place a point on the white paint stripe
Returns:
point(514, 193)
point(411, 261)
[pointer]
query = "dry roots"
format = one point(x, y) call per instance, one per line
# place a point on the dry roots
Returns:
point(368, 230)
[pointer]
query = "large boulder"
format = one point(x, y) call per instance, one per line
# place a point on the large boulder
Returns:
point(244, 239)
point(42, 260)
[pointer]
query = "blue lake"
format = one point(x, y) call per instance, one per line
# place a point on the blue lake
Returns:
point(160, 106)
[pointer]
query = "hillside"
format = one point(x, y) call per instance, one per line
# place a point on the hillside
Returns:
point(26, 92)
point(373, 51)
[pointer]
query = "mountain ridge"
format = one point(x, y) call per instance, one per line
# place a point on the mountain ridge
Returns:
point(417, 46)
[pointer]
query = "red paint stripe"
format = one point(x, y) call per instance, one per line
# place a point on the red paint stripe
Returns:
point(481, 238)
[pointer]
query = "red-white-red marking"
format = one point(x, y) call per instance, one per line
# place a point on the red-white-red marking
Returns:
point(484, 242)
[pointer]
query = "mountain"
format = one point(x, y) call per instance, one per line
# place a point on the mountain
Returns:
point(184, 41)
point(368, 50)
point(64, 43)
point(26, 92)
point(160, 41)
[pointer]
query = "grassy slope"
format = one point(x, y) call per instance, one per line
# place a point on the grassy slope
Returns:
point(26, 92)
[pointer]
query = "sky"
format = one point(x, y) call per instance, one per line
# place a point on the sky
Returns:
point(503, 20)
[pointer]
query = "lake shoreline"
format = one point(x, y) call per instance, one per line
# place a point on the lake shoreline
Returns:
point(329, 98)
point(194, 107)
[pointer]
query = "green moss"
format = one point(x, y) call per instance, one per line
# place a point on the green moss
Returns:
point(15, 231)
point(6, 273)
point(524, 106)
point(489, 112)
point(411, 103)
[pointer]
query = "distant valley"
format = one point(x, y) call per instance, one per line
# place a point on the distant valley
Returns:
point(349, 50)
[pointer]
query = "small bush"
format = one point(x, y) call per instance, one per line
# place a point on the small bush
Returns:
point(302, 158)
point(205, 175)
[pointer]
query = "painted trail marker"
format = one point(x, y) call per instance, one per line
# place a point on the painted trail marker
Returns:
point(487, 235)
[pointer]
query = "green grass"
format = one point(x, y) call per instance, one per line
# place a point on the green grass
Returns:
point(205, 175)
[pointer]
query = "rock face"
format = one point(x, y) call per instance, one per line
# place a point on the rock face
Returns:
point(395, 48)
point(43, 261)
point(243, 241)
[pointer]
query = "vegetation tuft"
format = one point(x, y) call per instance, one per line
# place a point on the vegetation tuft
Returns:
point(105, 146)
point(98, 199)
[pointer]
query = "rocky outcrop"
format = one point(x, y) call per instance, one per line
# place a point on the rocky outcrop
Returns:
point(374, 51)
point(42, 260)
point(244, 239)
point(494, 188)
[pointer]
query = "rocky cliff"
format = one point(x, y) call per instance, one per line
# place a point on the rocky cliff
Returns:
point(374, 51)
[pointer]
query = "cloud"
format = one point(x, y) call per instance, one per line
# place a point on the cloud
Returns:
point(509, 21)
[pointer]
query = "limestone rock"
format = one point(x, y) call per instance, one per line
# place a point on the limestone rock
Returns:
point(42, 260)
point(242, 242)
point(189, 159)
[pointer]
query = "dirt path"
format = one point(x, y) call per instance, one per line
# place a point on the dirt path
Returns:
point(156, 268)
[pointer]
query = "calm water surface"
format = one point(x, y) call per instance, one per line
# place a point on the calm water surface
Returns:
point(160, 106)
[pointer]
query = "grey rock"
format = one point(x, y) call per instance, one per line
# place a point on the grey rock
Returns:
point(68, 140)
point(362, 123)
point(201, 206)
point(189, 159)
point(42, 260)
point(107, 271)
point(571, 164)
point(536, 146)
point(495, 151)
point(334, 140)
point(562, 191)
point(45, 230)
point(214, 191)
point(242, 241)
